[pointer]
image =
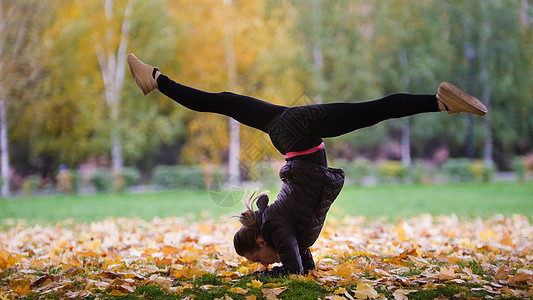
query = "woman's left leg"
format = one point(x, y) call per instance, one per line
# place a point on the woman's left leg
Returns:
point(334, 119)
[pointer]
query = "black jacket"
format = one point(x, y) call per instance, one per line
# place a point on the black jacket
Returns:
point(293, 222)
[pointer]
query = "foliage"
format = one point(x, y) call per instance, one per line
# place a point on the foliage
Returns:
point(68, 181)
point(30, 185)
point(481, 171)
point(130, 175)
point(430, 257)
point(189, 177)
point(465, 170)
point(520, 168)
point(286, 52)
point(458, 169)
point(391, 170)
point(102, 179)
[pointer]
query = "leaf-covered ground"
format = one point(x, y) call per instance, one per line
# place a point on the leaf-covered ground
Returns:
point(419, 258)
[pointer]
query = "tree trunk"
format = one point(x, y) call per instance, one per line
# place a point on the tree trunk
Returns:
point(112, 65)
point(234, 172)
point(489, 144)
point(318, 55)
point(4, 160)
point(406, 124)
point(4, 151)
point(470, 54)
point(486, 82)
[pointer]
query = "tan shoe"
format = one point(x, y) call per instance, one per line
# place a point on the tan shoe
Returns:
point(457, 101)
point(143, 74)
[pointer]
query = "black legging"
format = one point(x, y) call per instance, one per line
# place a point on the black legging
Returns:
point(302, 127)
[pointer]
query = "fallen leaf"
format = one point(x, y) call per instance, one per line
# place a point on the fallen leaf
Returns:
point(255, 284)
point(446, 273)
point(364, 291)
point(400, 294)
point(238, 290)
point(273, 293)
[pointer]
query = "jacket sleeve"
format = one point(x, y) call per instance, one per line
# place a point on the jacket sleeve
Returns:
point(283, 239)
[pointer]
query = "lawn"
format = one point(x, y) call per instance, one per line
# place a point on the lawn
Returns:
point(140, 256)
point(391, 201)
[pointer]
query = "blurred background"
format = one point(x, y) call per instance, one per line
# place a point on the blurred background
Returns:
point(72, 118)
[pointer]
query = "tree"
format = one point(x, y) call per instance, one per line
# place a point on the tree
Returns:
point(21, 23)
point(500, 69)
point(234, 50)
point(111, 53)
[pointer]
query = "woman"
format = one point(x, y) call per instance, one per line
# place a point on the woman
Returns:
point(284, 231)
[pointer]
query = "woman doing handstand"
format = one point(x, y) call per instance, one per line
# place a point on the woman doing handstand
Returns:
point(284, 231)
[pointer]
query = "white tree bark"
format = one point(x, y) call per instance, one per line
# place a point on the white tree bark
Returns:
point(234, 171)
point(4, 159)
point(4, 149)
point(318, 54)
point(112, 65)
point(406, 125)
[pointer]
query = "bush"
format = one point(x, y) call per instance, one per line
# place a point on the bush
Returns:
point(520, 168)
point(102, 180)
point(464, 170)
point(359, 169)
point(31, 184)
point(391, 171)
point(415, 173)
point(190, 177)
point(131, 176)
point(68, 181)
point(458, 170)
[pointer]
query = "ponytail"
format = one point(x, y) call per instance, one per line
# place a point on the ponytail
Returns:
point(245, 238)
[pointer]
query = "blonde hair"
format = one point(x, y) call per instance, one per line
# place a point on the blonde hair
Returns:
point(245, 238)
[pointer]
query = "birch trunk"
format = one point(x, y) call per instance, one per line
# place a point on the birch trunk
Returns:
point(112, 64)
point(318, 54)
point(406, 124)
point(4, 148)
point(234, 171)
point(4, 160)
point(486, 82)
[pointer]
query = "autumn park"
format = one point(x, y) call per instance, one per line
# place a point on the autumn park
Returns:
point(107, 193)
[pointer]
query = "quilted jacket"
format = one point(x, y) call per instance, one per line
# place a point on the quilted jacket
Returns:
point(293, 222)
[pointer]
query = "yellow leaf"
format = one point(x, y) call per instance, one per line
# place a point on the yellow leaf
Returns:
point(400, 230)
point(339, 291)
point(251, 297)
point(344, 271)
point(364, 291)
point(255, 284)
point(229, 274)
point(238, 290)
point(243, 270)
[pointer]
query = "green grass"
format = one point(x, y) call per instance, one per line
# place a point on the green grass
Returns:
point(392, 201)
point(462, 199)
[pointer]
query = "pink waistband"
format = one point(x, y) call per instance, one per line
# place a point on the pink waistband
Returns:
point(308, 151)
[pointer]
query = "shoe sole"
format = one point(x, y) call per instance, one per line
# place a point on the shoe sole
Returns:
point(461, 99)
point(144, 87)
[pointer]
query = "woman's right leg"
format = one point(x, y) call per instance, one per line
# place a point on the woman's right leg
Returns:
point(246, 110)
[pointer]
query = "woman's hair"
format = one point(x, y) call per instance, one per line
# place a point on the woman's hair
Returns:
point(245, 238)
